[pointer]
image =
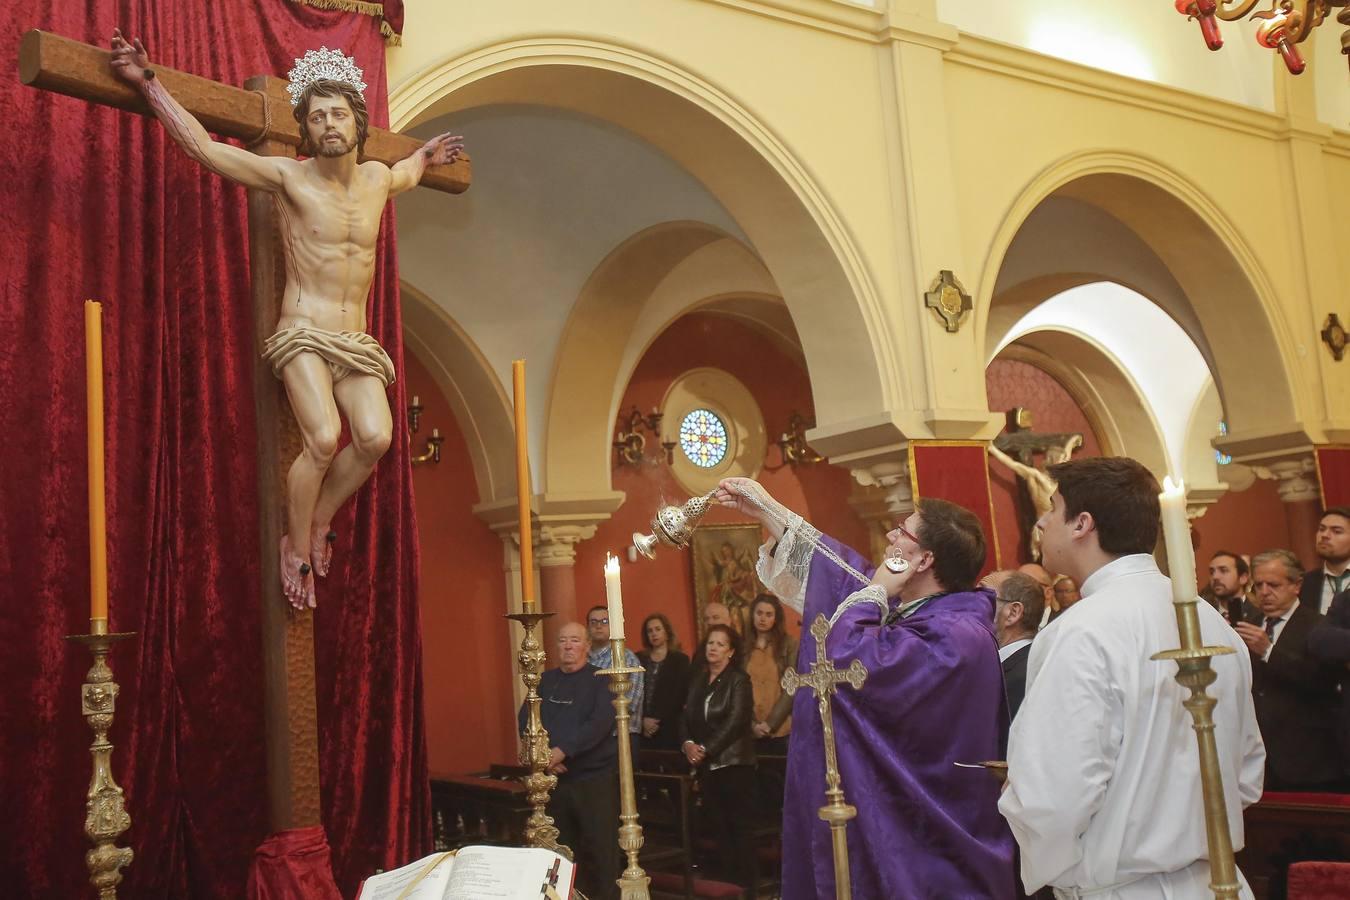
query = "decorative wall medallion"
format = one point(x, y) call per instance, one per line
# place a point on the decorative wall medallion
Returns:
point(948, 300)
point(1334, 336)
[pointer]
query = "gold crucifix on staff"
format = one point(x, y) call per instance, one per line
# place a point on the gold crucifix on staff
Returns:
point(823, 681)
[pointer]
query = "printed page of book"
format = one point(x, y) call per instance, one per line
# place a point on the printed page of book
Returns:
point(506, 873)
point(391, 885)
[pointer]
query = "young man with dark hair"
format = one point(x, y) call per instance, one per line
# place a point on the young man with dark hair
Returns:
point(1229, 577)
point(1333, 548)
point(1104, 791)
point(934, 696)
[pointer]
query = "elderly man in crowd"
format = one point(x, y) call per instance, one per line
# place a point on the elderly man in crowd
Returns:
point(1017, 618)
point(1295, 694)
point(578, 715)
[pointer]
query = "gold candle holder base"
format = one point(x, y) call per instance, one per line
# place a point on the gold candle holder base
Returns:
point(633, 884)
point(105, 817)
point(539, 828)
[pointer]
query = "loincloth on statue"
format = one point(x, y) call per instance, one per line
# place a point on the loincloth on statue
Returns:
point(344, 351)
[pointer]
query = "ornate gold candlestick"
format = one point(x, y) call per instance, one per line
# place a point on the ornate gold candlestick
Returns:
point(823, 681)
point(1195, 672)
point(539, 828)
point(105, 814)
point(633, 883)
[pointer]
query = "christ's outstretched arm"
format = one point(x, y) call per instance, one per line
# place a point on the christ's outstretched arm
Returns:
point(440, 150)
point(131, 63)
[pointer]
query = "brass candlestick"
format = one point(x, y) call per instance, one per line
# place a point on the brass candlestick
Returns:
point(1195, 672)
point(823, 681)
point(539, 828)
point(633, 883)
point(105, 813)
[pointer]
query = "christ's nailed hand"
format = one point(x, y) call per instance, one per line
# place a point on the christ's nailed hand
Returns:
point(130, 62)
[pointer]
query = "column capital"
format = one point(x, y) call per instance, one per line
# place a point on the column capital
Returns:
point(1296, 478)
point(558, 543)
point(1200, 499)
point(884, 489)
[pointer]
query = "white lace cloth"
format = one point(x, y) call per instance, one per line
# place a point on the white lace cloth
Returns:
point(785, 571)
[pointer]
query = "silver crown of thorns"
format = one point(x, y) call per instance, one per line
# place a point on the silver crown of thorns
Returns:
point(323, 64)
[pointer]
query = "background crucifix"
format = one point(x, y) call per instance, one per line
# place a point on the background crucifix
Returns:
point(260, 116)
point(1017, 448)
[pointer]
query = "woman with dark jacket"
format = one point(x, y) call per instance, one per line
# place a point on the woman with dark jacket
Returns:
point(720, 746)
point(665, 686)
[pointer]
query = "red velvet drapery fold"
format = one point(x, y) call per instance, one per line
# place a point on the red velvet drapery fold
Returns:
point(97, 203)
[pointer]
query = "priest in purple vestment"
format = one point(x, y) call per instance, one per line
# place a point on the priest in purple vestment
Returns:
point(934, 697)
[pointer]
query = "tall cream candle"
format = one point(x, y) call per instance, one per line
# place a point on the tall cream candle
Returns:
point(1177, 537)
point(614, 598)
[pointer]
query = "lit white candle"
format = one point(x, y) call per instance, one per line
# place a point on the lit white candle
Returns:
point(1177, 537)
point(614, 597)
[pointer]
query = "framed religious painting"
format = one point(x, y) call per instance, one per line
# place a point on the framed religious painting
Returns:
point(723, 558)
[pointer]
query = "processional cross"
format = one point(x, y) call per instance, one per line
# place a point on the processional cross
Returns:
point(823, 681)
point(260, 115)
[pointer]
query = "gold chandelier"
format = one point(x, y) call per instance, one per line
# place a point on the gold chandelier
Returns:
point(1286, 24)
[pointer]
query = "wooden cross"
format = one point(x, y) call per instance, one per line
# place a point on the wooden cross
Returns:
point(823, 681)
point(260, 115)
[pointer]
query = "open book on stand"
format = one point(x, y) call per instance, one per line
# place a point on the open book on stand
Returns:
point(476, 873)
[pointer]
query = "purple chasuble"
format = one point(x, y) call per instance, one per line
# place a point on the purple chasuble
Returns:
point(934, 696)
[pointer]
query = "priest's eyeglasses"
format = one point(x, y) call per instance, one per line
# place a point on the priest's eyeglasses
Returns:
point(906, 533)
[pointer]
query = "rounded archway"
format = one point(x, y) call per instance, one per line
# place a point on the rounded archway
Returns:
point(1120, 218)
point(789, 225)
point(477, 398)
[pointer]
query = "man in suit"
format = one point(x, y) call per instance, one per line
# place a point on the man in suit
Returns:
point(1229, 577)
point(1333, 548)
point(1017, 617)
point(1295, 694)
point(1330, 642)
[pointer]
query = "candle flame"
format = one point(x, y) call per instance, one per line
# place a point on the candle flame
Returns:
point(611, 562)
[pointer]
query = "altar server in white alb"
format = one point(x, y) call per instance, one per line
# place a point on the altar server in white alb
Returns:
point(1104, 792)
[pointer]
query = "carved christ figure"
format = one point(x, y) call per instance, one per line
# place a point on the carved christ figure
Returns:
point(1040, 486)
point(329, 208)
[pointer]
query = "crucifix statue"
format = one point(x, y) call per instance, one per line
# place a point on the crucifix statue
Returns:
point(1016, 449)
point(330, 210)
point(823, 681)
point(313, 227)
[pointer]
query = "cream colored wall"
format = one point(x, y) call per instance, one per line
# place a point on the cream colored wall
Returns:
point(909, 147)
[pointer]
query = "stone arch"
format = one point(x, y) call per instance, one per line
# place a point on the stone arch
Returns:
point(641, 287)
point(816, 267)
point(478, 399)
point(1206, 277)
point(1101, 386)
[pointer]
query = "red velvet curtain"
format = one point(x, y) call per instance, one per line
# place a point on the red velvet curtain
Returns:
point(97, 203)
point(958, 471)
